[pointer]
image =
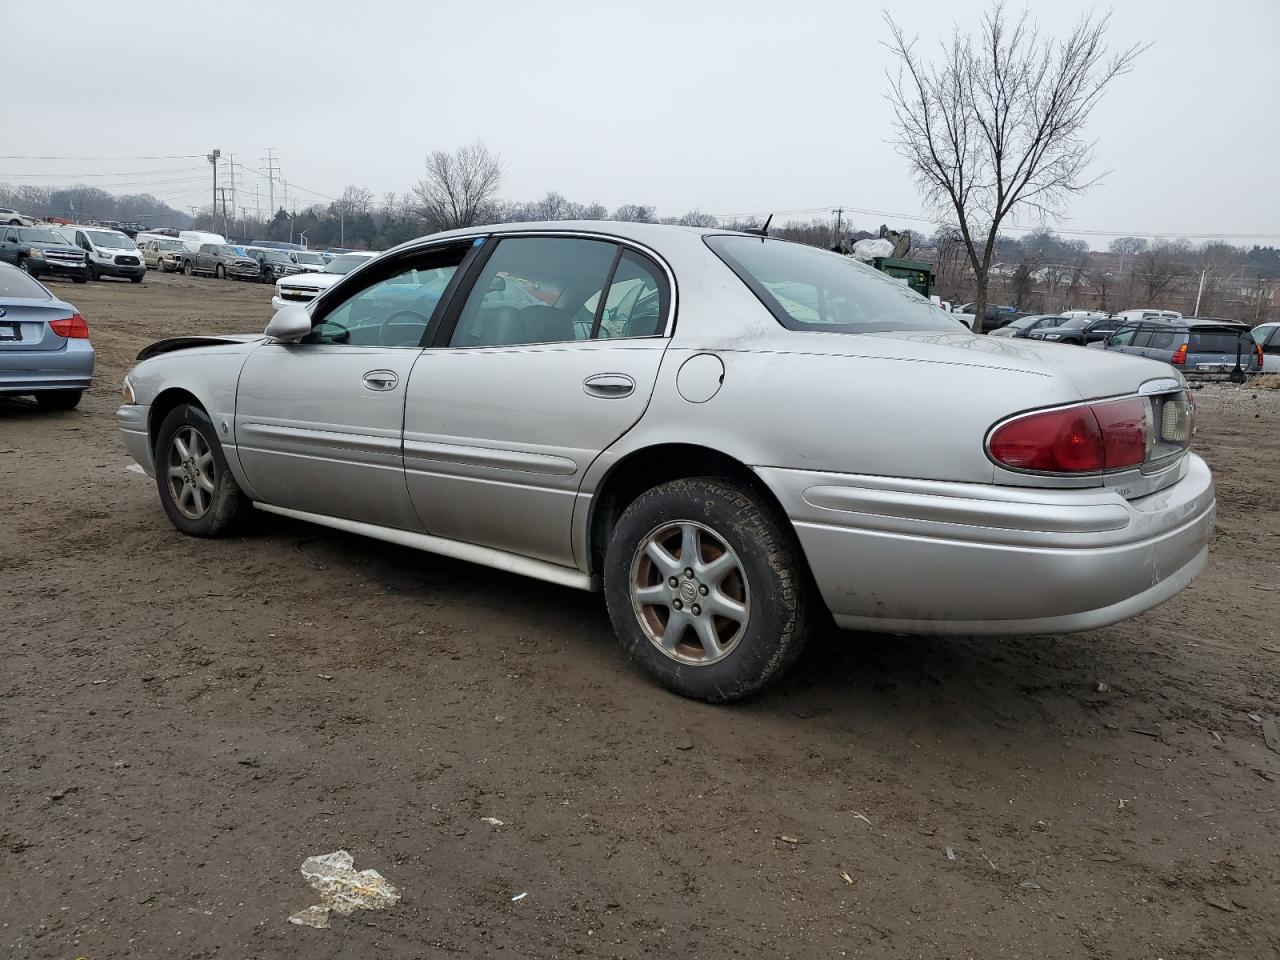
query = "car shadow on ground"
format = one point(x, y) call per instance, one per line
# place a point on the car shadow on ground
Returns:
point(1023, 685)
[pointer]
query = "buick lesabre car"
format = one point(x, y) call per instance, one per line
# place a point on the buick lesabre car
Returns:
point(725, 433)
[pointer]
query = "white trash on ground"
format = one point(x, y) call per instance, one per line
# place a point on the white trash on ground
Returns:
point(342, 889)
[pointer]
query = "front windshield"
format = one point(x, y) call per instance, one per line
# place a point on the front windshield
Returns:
point(810, 289)
point(344, 265)
point(1022, 323)
point(170, 245)
point(111, 240)
point(312, 258)
point(40, 236)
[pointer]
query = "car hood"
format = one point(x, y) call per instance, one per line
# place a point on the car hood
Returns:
point(57, 247)
point(1093, 374)
point(186, 343)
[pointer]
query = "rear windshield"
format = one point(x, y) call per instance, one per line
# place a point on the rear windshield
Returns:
point(17, 285)
point(1220, 341)
point(810, 289)
point(1075, 323)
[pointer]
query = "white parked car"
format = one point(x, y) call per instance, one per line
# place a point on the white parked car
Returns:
point(731, 436)
point(110, 253)
point(1267, 336)
point(302, 288)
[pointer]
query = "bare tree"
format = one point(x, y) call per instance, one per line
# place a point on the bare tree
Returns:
point(459, 187)
point(696, 218)
point(998, 123)
point(1101, 281)
point(1128, 246)
point(1159, 266)
point(635, 212)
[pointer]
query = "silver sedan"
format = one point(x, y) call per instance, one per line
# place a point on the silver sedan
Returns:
point(725, 433)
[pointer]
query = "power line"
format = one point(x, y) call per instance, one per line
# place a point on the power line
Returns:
point(113, 173)
point(175, 156)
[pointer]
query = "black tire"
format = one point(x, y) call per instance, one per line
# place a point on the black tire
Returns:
point(58, 399)
point(774, 582)
point(226, 502)
point(137, 279)
point(78, 278)
point(219, 272)
point(24, 266)
point(92, 272)
point(187, 268)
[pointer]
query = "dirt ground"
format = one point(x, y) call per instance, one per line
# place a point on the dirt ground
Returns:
point(182, 722)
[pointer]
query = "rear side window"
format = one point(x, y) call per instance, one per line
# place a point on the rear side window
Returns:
point(810, 289)
point(1220, 341)
point(1163, 340)
point(16, 284)
point(1142, 338)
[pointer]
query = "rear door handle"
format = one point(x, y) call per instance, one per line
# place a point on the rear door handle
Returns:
point(380, 380)
point(609, 386)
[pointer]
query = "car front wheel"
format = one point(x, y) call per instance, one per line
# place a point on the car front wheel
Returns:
point(198, 491)
point(707, 588)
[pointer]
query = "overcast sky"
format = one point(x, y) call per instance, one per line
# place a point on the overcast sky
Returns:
point(731, 108)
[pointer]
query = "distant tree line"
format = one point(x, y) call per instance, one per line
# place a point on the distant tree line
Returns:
point(82, 202)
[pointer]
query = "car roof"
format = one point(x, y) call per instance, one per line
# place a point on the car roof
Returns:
point(617, 228)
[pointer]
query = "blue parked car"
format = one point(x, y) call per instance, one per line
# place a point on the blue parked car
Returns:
point(44, 343)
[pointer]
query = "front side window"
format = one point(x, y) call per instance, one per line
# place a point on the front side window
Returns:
point(1123, 337)
point(534, 290)
point(810, 289)
point(394, 309)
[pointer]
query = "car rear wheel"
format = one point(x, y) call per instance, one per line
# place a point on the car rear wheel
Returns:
point(707, 588)
point(58, 399)
point(199, 493)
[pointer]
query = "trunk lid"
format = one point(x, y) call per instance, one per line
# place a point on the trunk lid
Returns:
point(24, 325)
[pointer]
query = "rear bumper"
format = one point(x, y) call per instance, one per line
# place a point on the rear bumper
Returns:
point(914, 556)
point(28, 371)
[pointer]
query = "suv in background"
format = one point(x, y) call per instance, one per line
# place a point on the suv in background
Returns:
point(222, 260)
point(42, 250)
point(1201, 349)
point(1079, 330)
point(273, 263)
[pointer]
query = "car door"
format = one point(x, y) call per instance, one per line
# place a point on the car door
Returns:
point(318, 422)
point(9, 246)
point(550, 357)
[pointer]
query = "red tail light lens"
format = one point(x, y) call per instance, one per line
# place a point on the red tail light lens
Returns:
point(1083, 439)
point(1179, 356)
point(1257, 347)
point(73, 327)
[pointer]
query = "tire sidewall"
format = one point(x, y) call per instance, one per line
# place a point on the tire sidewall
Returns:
point(227, 497)
point(777, 621)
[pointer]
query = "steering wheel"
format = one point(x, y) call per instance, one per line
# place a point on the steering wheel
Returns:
point(402, 318)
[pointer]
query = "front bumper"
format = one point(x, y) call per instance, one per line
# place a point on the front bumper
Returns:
point(916, 556)
point(133, 420)
point(119, 269)
point(28, 371)
point(57, 268)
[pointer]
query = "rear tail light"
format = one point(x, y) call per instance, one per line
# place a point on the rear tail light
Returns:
point(73, 327)
point(1257, 349)
point(1179, 356)
point(1094, 437)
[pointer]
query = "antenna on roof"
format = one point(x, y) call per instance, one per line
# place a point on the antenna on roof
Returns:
point(760, 231)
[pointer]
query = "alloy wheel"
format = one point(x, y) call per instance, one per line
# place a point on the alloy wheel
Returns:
point(689, 592)
point(190, 473)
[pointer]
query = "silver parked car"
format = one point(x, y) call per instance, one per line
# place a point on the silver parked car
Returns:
point(723, 432)
point(44, 343)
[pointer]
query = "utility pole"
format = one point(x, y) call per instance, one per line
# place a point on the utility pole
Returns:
point(212, 157)
point(225, 227)
point(231, 159)
point(839, 212)
point(271, 182)
point(193, 208)
point(244, 222)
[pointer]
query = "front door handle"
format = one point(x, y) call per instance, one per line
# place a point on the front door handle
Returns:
point(609, 386)
point(380, 380)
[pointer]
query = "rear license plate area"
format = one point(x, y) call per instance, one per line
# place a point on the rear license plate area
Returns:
point(10, 331)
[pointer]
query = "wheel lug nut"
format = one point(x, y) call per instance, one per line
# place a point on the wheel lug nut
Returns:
point(673, 583)
point(677, 604)
point(697, 610)
point(688, 572)
point(703, 590)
